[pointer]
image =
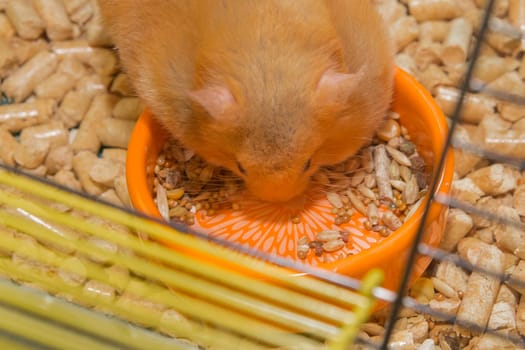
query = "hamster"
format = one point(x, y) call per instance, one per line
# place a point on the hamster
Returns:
point(271, 90)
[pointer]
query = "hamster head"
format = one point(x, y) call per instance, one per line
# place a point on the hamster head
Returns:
point(275, 137)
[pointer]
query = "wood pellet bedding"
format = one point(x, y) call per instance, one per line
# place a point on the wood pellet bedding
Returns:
point(66, 113)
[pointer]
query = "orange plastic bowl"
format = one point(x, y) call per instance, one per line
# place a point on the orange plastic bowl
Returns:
point(267, 227)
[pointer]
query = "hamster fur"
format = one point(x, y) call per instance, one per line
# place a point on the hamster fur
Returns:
point(270, 89)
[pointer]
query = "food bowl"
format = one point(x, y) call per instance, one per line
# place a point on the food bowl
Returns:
point(264, 226)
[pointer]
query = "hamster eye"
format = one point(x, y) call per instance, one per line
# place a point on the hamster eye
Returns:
point(241, 169)
point(307, 165)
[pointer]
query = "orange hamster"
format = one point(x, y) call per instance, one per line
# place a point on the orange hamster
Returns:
point(271, 90)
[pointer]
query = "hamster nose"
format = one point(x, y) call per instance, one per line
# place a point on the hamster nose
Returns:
point(281, 191)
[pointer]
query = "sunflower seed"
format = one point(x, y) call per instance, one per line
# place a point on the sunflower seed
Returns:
point(357, 203)
point(398, 156)
point(367, 192)
point(411, 192)
point(398, 185)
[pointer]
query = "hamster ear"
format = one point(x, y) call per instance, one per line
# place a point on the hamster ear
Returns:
point(335, 87)
point(215, 99)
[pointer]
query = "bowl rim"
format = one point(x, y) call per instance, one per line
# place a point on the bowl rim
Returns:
point(143, 136)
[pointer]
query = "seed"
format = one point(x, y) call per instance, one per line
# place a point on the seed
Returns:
point(422, 290)
point(210, 212)
point(411, 192)
point(391, 221)
point(334, 245)
point(357, 178)
point(356, 202)
point(161, 159)
point(413, 208)
point(302, 251)
point(339, 220)
point(393, 115)
point(317, 247)
point(398, 156)
point(302, 247)
point(405, 173)
point(178, 211)
point(296, 219)
point(373, 214)
point(398, 184)
point(367, 192)
point(303, 241)
point(389, 130)
point(444, 288)
point(378, 228)
point(421, 180)
point(334, 199)
point(176, 193)
point(328, 235)
point(173, 178)
point(370, 180)
point(394, 142)
point(162, 203)
point(367, 161)
point(418, 163)
point(407, 148)
point(393, 170)
point(344, 236)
